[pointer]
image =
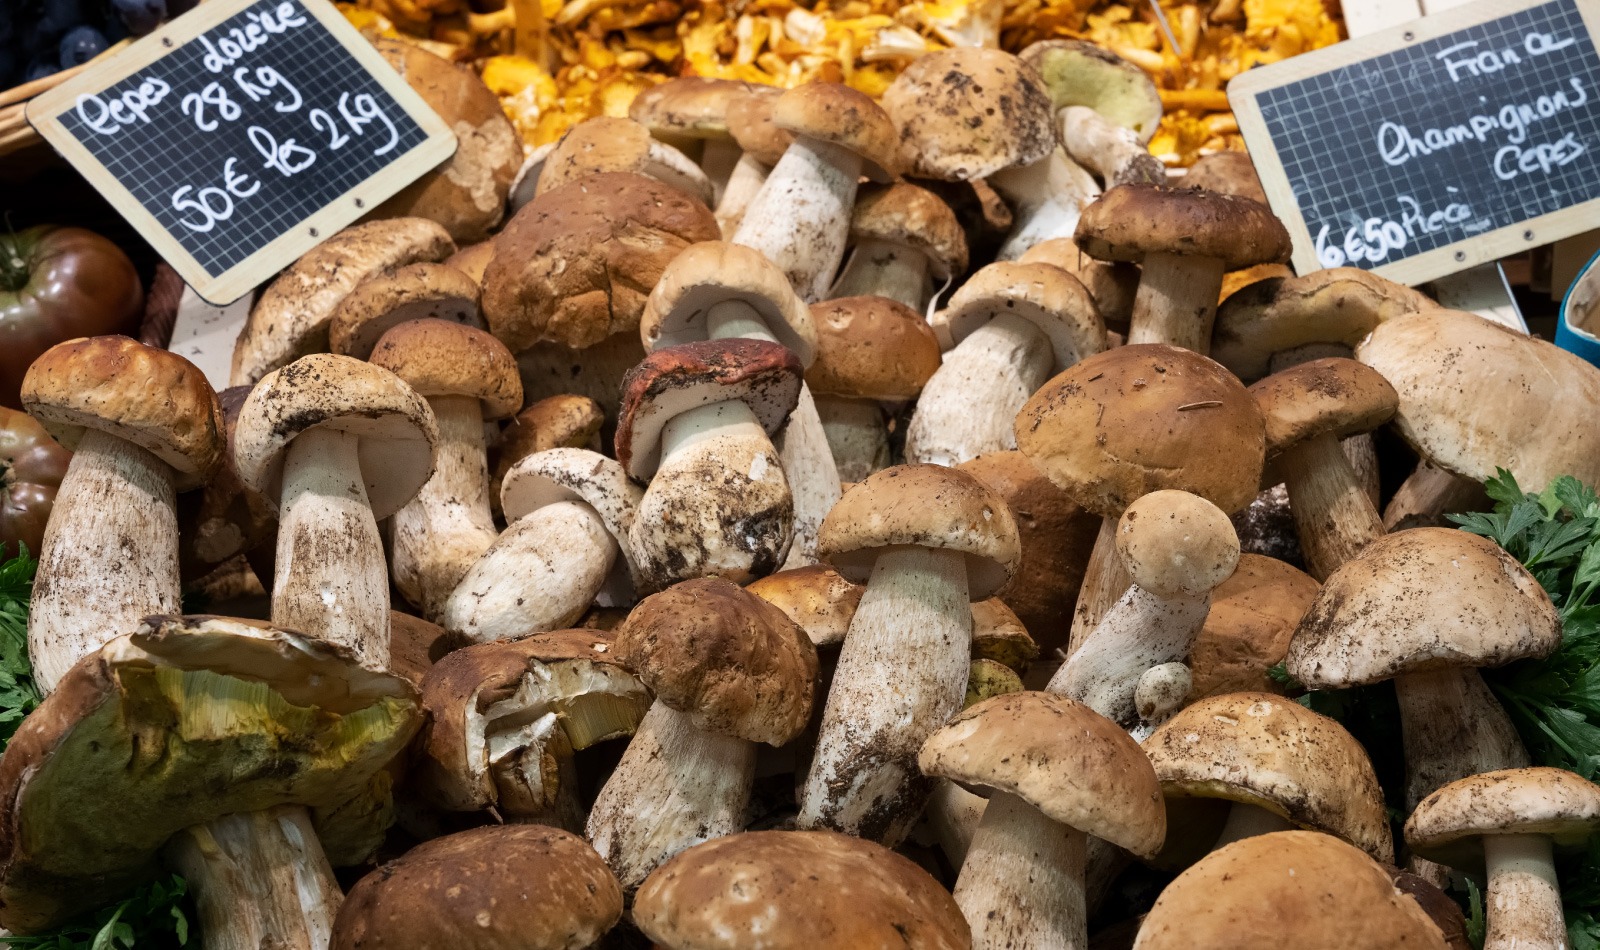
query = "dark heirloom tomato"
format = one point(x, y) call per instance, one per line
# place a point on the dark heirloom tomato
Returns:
point(31, 466)
point(57, 284)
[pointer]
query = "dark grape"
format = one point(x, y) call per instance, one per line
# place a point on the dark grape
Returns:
point(141, 16)
point(177, 8)
point(40, 67)
point(42, 34)
point(81, 44)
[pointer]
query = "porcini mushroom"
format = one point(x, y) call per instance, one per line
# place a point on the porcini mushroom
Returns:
point(1253, 614)
point(1108, 109)
point(762, 144)
point(1057, 772)
point(142, 424)
point(904, 241)
point(468, 377)
point(926, 540)
point(1227, 173)
point(728, 671)
point(691, 112)
point(554, 422)
point(609, 144)
point(390, 298)
point(1112, 284)
point(1008, 329)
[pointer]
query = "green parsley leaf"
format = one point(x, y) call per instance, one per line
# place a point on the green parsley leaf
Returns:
point(18, 692)
point(155, 917)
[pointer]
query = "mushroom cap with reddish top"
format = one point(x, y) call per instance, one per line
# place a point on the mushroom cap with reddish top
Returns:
point(1130, 221)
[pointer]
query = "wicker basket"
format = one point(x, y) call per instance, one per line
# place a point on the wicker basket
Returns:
point(15, 132)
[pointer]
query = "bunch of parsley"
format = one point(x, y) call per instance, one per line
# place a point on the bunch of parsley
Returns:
point(18, 694)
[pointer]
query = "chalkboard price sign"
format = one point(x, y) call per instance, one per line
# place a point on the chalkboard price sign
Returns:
point(242, 134)
point(1429, 148)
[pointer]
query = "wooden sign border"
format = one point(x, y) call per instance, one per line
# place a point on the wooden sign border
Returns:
point(44, 112)
point(1243, 93)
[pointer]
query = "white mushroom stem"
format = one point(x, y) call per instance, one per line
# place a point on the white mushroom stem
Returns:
point(1177, 301)
point(1358, 448)
point(743, 184)
point(884, 269)
point(1428, 493)
point(1524, 900)
point(1022, 882)
point(1333, 514)
point(1162, 691)
point(541, 574)
point(1105, 580)
point(1107, 149)
point(1248, 821)
point(858, 438)
point(1048, 197)
point(110, 554)
point(443, 531)
point(675, 786)
point(902, 674)
point(808, 462)
point(1142, 630)
point(953, 814)
point(801, 217)
point(969, 404)
point(259, 879)
point(332, 583)
point(1452, 727)
point(718, 159)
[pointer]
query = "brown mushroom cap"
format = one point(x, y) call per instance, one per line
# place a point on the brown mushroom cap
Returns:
point(500, 887)
point(1295, 889)
point(927, 506)
point(152, 398)
point(395, 424)
point(473, 259)
point(1226, 173)
point(1061, 757)
point(1333, 396)
point(415, 645)
point(714, 272)
point(750, 119)
point(1174, 543)
point(1418, 600)
point(563, 421)
point(1076, 73)
point(1275, 754)
point(1042, 294)
point(968, 112)
point(567, 474)
point(466, 194)
point(1449, 825)
point(390, 298)
point(1476, 396)
point(798, 890)
point(575, 265)
point(728, 659)
point(1337, 305)
point(669, 382)
point(871, 347)
point(1136, 419)
point(1253, 615)
point(998, 634)
point(440, 358)
point(610, 144)
point(688, 106)
point(839, 115)
point(1112, 284)
point(815, 597)
point(1133, 220)
point(912, 217)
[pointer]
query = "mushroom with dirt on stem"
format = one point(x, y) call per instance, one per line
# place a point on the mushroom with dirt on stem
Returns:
point(468, 378)
point(905, 243)
point(728, 671)
point(1108, 109)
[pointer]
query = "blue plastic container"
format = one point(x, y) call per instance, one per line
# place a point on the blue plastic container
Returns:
point(1582, 300)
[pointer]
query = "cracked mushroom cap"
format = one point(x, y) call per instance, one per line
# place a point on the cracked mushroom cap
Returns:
point(1338, 306)
point(669, 382)
point(503, 715)
point(726, 658)
point(440, 358)
point(1130, 221)
point(150, 397)
point(969, 112)
point(185, 720)
point(1449, 825)
point(691, 107)
point(751, 121)
point(394, 423)
point(716, 272)
point(871, 347)
point(1275, 754)
point(927, 506)
point(1419, 600)
point(1253, 615)
point(1140, 418)
point(466, 194)
point(815, 597)
point(575, 265)
point(796, 890)
point(1076, 73)
point(1063, 758)
point(1469, 389)
point(1176, 544)
point(915, 218)
point(1334, 396)
point(610, 144)
point(1112, 284)
point(1226, 173)
point(290, 319)
point(1295, 889)
point(1042, 294)
point(500, 887)
point(388, 299)
point(566, 474)
point(834, 113)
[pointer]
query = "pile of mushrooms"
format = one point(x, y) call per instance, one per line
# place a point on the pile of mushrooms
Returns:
point(742, 539)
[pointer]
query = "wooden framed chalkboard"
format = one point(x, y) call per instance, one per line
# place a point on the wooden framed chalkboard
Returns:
point(1436, 145)
point(242, 134)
